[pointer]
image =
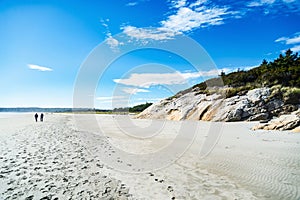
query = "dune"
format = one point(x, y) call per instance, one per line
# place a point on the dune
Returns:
point(70, 156)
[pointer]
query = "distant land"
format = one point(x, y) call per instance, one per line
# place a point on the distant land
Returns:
point(56, 110)
point(134, 109)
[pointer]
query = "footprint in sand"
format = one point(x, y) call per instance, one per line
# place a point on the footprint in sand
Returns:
point(29, 197)
point(99, 165)
point(151, 174)
point(170, 188)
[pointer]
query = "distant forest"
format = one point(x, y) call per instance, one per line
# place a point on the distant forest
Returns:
point(134, 109)
point(285, 71)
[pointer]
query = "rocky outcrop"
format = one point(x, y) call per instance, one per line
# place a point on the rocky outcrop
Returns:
point(254, 105)
point(284, 122)
point(259, 117)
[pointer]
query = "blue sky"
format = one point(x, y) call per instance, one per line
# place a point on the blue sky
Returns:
point(45, 43)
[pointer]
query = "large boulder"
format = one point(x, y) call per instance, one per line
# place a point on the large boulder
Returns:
point(274, 104)
point(258, 95)
point(284, 122)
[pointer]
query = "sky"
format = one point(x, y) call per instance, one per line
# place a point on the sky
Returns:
point(46, 47)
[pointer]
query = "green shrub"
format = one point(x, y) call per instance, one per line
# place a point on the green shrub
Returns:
point(140, 108)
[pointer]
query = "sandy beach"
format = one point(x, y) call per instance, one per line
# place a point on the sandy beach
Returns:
point(63, 158)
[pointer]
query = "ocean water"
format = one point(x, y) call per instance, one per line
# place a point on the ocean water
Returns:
point(5, 115)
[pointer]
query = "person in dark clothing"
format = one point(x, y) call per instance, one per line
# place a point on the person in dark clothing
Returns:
point(36, 117)
point(42, 117)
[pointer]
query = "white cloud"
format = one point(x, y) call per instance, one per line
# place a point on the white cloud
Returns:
point(288, 1)
point(197, 3)
point(134, 90)
point(113, 43)
point(186, 18)
point(113, 101)
point(267, 2)
point(281, 39)
point(148, 99)
point(39, 68)
point(246, 68)
point(254, 4)
point(296, 48)
point(132, 3)
point(178, 3)
point(150, 79)
point(260, 3)
point(144, 34)
point(295, 41)
point(104, 23)
point(109, 99)
point(241, 68)
point(122, 101)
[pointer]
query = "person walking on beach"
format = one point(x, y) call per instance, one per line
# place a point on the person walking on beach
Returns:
point(42, 117)
point(36, 117)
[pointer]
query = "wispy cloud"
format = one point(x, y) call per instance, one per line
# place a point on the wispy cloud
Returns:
point(258, 3)
point(107, 99)
point(296, 48)
point(134, 3)
point(113, 101)
point(178, 3)
point(113, 43)
point(146, 80)
point(187, 17)
point(261, 3)
point(39, 68)
point(294, 41)
point(123, 101)
point(248, 67)
point(110, 40)
point(274, 6)
point(148, 99)
point(132, 91)
point(146, 33)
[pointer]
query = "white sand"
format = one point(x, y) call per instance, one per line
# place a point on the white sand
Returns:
point(58, 159)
